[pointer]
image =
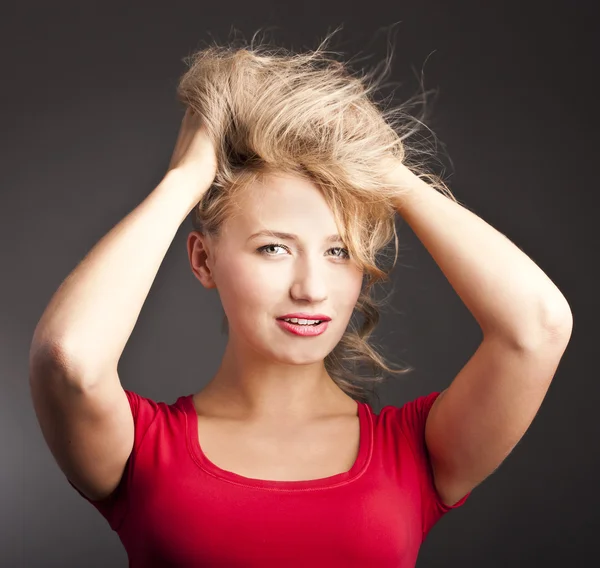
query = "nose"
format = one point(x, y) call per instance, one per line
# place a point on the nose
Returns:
point(309, 281)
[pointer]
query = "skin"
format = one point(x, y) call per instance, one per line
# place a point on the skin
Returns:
point(267, 374)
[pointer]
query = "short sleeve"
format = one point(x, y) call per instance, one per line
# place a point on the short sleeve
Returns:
point(413, 417)
point(114, 507)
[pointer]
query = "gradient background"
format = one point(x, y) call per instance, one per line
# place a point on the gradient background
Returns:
point(88, 120)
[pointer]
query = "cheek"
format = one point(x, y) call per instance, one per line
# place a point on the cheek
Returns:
point(245, 289)
point(347, 289)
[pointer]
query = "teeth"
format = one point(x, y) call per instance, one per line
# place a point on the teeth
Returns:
point(302, 321)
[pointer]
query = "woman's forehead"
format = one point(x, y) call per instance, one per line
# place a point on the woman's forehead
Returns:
point(285, 188)
point(283, 198)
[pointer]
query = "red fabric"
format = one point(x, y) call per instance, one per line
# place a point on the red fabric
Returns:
point(175, 508)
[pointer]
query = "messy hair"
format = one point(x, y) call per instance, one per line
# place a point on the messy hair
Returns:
point(269, 110)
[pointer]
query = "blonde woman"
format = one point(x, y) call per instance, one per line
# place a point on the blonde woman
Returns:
point(295, 176)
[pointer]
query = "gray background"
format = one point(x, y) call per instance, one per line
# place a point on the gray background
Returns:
point(87, 124)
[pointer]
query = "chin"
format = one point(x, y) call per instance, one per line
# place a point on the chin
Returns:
point(308, 360)
point(296, 356)
point(285, 355)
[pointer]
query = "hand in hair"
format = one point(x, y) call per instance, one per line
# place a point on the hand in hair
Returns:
point(194, 154)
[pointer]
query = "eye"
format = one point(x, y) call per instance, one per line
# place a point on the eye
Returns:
point(263, 249)
point(344, 251)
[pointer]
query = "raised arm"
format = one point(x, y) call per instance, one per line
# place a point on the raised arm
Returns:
point(80, 404)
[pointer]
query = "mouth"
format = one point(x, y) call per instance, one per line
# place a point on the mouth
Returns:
point(304, 321)
point(303, 317)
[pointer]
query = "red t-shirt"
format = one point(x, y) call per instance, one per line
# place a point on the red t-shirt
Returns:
point(174, 507)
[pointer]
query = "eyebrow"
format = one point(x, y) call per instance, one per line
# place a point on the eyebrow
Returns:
point(291, 237)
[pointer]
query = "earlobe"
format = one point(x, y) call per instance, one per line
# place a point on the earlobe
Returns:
point(203, 273)
point(205, 277)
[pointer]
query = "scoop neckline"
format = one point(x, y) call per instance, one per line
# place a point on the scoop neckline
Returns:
point(358, 468)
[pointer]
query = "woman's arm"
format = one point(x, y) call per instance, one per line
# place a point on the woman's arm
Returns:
point(476, 422)
point(92, 314)
point(505, 291)
point(88, 321)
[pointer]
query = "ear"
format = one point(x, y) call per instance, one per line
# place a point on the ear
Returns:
point(201, 258)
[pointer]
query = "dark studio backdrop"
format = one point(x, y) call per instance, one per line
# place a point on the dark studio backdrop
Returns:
point(88, 121)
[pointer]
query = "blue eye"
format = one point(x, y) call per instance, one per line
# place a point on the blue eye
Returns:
point(263, 250)
point(343, 250)
point(272, 245)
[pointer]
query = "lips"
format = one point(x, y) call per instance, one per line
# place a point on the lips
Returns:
point(320, 317)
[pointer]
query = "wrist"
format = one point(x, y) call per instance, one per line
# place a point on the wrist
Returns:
point(193, 180)
point(407, 184)
point(186, 184)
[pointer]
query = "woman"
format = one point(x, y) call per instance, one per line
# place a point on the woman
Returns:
point(295, 177)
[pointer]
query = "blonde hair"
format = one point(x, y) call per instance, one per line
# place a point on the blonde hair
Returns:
point(269, 110)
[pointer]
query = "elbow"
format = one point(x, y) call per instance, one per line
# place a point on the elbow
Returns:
point(558, 320)
point(552, 327)
point(50, 358)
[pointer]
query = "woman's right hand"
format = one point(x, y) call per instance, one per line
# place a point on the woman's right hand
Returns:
point(194, 154)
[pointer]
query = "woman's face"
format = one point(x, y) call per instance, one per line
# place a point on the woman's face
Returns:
point(263, 277)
